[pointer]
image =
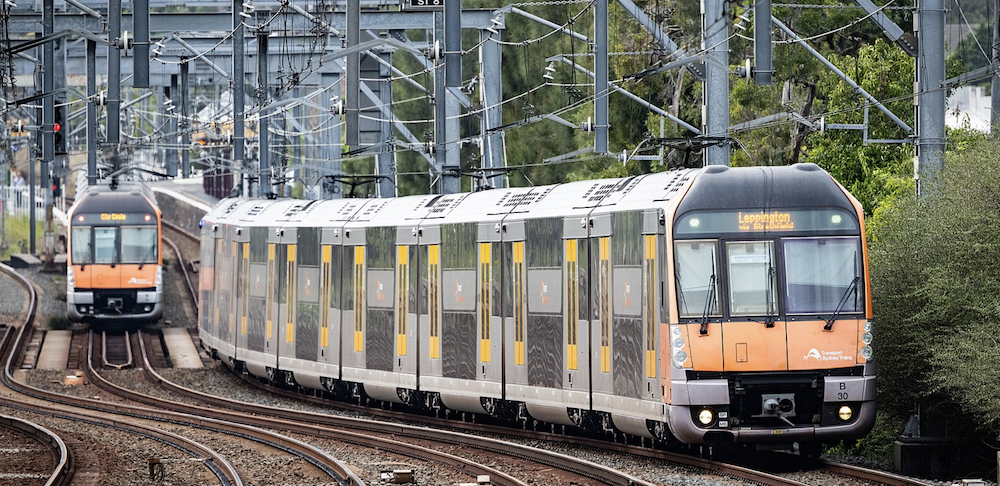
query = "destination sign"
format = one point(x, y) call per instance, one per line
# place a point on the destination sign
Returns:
point(788, 221)
point(764, 221)
point(114, 219)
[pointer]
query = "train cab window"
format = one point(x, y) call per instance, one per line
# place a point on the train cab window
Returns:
point(822, 275)
point(139, 245)
point(82, 247)
point(105, 245)
point(697, 274)
point(752, 286)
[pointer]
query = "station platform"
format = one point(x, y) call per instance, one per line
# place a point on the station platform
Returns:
point(183, 353)
point(55, 350)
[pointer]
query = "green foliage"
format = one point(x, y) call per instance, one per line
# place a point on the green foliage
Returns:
point(869, 171)
point(936, 289)
point(17, 233)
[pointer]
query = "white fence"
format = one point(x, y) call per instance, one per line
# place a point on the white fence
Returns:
point(16, 201)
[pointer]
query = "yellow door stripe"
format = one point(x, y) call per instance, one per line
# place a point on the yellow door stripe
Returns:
point(605, 304)
point(359, 297)
point(485, 291)
point(270, 289)
point(519, 318)
point(290, 283)
point(572, 276)
point(434, 265)
point(402, 300)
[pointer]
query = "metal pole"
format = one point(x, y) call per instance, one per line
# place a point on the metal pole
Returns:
point(762, 41)
point(931, 100)
point(601, 77)
point(715, 108)
point(171, 92)
point(263, 150)
point(452, 182)
point(385, 158)
point(330, 140)
point(489, 60)
point(91, 113)
point(140, 57)
point(353, 95)
point(440, 113)
point(48, 118)
point(185, 124)
point(239, 79)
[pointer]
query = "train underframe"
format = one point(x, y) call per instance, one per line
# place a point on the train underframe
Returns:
point(802, 417)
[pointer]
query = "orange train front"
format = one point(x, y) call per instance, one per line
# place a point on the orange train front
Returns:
point(770, 332)
point(717, 305)
point(114, 266)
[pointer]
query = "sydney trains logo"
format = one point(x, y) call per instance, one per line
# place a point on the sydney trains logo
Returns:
point(827, 355)
point(139, 281)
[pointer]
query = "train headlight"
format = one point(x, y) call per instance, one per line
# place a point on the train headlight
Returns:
point(868, 326)
point(867, 338)
point(867, 352)
point(159, 277)
point(70, 279)
point(678, 342)
point(845, 413)
point(706, 416)
point(679, 358)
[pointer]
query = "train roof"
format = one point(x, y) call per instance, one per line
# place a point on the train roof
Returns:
point(126, 197)
point(795, 186)
point(802, 185)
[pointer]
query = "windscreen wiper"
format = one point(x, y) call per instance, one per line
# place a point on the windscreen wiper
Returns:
point(769, 295)
point(710, 301)
point(843, 302)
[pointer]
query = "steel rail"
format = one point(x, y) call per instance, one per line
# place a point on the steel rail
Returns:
point(193, 416)
point(12, 347)
point(48, 438)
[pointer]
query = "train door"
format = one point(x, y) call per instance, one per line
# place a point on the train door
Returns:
point(576, 323)
point(515, 310)
point(222, 286)
point(428, 273)
point(353, 302)
point(751, 290)
point(488, 314)
point(253, 338)
point(206, 282)
point(331, 292)
point(285, 298)
point(242, 290)
point(599, 288)
point(407, 351)
point(228, 291)
point(277, 264)
point(306, 300)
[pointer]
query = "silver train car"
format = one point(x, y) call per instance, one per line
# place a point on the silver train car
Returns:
point(718, 305)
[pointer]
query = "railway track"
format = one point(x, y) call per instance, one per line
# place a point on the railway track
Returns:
point(22, 459)
point(117, 350)
point(30, 399)
point(832, 470)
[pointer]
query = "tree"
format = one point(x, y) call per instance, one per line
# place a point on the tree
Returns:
point(936, 289)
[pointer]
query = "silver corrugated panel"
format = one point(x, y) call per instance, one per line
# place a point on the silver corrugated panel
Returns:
point(545, 350)
point(255, 324)
point(307, 331)
point(458, 346)
point(627, 357)
point(379, 344)
point(225, 308)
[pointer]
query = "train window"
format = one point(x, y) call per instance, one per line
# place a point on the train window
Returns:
point(82, 247)
point(139, 244)
point(822, 275)
point(105, 245)
point(752, 285)
point(697, 271)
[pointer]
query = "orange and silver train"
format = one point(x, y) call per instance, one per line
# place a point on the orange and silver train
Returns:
point(114, 265)
point(709, 306)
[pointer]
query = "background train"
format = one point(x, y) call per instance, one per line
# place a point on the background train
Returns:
point(717, 305)
point(114, 262)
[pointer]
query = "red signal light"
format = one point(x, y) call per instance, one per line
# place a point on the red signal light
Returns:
point(57, 127)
